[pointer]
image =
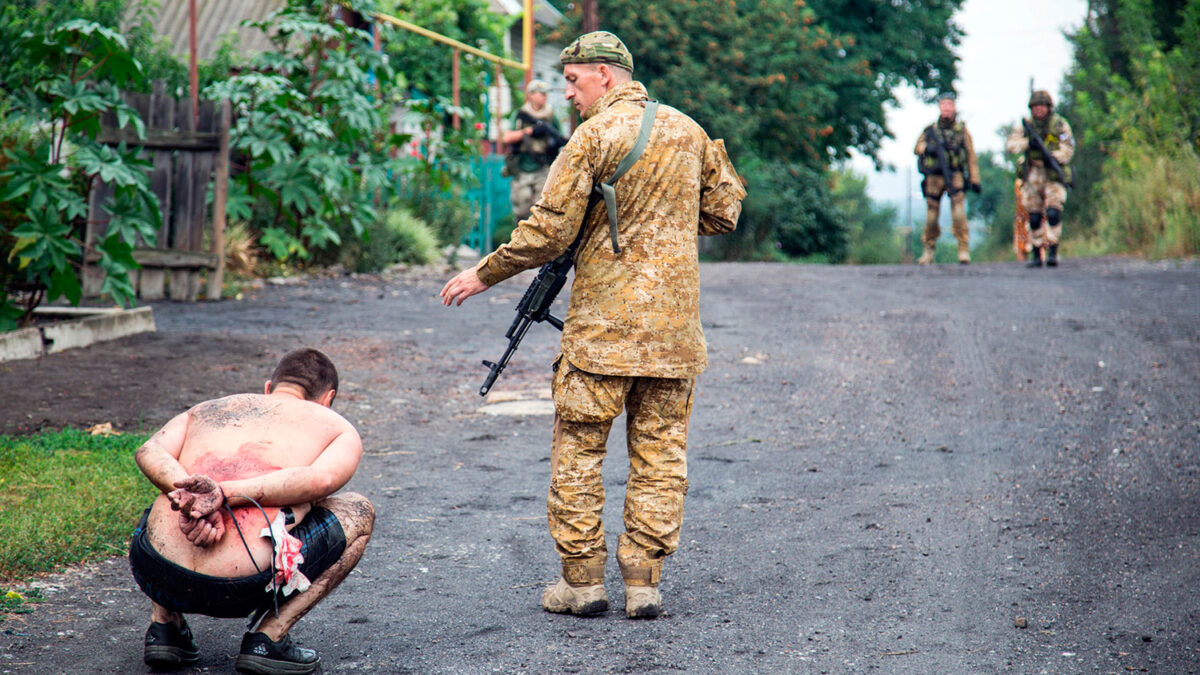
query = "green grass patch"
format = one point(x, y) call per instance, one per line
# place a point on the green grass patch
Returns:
point(66, 497)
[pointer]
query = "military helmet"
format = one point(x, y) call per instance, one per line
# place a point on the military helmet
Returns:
point(598, 47)
point(1041, 97)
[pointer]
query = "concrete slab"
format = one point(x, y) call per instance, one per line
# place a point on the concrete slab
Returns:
point(519, 408)
point(101, 326)
point(87, 326)
point(23, 343)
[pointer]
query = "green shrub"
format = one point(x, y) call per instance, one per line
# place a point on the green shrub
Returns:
point(400, 237)
point(416, 242)
point(788, 209)
point(1150, 204)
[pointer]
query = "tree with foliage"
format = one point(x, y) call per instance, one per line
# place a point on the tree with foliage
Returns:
point(424, 65)
point(872, 239)
point(1134, 91)
point(791, 86)
point(995, 205)
point(52, 158)
point(786, 79)
point(310, 130)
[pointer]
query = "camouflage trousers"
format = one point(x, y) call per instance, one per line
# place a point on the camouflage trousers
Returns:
point(1041, 193)
point(934, 187)
point(657, 414)
point(524, 190)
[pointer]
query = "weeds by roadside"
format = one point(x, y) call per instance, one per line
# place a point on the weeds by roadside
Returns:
point(67, 496)
point(14, 602)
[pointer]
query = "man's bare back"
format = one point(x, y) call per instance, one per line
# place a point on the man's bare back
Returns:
point(246, 436)
point(200, 549)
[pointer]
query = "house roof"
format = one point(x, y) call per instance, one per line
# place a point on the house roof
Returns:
point(543, 11)
point(214, 20)
point(217, 18)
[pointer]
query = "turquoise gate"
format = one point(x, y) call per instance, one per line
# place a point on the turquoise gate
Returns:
point(489, 200)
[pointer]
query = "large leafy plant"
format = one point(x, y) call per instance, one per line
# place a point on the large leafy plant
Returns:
point(74, 79)
point(310, 141)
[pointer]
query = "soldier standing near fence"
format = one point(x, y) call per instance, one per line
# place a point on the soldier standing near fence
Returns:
point(632, 339)
point(1045, 191)
point(948, 140)
point(534, 141)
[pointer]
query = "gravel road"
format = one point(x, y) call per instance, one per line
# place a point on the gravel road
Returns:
point(979, 469)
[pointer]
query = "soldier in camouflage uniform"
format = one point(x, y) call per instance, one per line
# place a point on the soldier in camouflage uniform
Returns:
point(951, 134)
point(1045, 192)
point(632, 339)
point(534, 140)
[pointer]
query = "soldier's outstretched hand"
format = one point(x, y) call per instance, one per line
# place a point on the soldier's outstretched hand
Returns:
point(461, 287)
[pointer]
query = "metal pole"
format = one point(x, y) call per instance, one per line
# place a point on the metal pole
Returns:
point(591, 18)
point(500, 149)
point(908, 241)
point(438, 37)
point(527, 40)
point(193, 68)
point(455, 89)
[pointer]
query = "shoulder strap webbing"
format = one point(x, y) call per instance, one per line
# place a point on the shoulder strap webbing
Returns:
point(606, 187)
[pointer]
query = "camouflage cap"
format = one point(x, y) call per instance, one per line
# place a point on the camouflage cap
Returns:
point(537, 85)
point(1040, 97)
point(946, 96)
point(598, 47)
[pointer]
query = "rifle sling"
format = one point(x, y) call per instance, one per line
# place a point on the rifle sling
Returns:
point(606, 187)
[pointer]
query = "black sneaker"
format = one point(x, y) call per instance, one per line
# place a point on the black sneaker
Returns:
point(168, 647)
point(262, 656)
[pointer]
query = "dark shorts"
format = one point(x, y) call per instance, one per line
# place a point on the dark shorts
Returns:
point(182, 590)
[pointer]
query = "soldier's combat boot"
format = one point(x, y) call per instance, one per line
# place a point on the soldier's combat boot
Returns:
point(1052, 255)
point(563, 598)
point(642, 602)
point(926, 257)
point(964, 255)
point(1035, 257)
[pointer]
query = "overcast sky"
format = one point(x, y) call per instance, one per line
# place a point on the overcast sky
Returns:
point(1006, 43)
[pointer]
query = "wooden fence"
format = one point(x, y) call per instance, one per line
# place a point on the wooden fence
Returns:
point(188, 153)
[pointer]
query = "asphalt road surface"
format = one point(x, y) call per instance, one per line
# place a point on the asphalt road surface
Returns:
point(979, 469)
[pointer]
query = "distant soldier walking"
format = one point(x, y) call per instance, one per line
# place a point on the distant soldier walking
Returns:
point(1044, 166)
point(632, 339)
point(946, 157)
point(534, 141)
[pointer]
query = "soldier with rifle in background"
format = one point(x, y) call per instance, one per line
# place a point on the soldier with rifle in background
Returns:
point(534, 141)
point(946, 157)
point(1045, 146)
point(631, 339)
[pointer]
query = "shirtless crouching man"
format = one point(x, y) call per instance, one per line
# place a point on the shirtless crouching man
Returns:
point(201, 549)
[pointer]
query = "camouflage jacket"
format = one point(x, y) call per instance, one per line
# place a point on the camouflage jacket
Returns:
point(1056, 134)
point(636, 313)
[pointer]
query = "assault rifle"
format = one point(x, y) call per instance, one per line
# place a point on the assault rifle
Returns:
point(554, 140)
point(534, 306)
point(1038, 144)
point(939, 150)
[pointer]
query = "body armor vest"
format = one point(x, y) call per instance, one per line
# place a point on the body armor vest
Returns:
point(953, 138)
point(1048, 130)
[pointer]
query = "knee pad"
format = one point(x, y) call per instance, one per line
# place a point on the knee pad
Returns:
point(1053, 216)
point(1035, 220)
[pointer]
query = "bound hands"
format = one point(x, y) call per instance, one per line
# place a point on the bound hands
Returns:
point(198, 499)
